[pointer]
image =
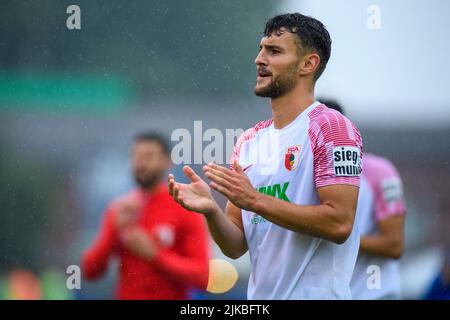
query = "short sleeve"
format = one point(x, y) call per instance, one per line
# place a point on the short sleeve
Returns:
point(336, 146)
point(388, 191)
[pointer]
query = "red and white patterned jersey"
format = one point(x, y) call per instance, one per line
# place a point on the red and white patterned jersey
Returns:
point(319, 148)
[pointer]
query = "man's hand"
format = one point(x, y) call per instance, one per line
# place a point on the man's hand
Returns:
point(234, 185)
point(138, 242)
point(127, 212)
point(195, 196)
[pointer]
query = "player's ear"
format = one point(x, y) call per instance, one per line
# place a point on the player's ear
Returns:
point(309, 64)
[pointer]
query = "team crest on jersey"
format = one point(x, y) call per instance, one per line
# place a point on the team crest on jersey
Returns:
point(292, 157)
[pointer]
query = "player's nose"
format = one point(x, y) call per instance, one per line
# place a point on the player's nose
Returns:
point(260, 59)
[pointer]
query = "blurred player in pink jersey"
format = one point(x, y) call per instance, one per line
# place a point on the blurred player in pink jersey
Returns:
point(380, 214)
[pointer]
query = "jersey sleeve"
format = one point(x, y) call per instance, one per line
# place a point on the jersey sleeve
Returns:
point(388, 192)
point(235, 154)
point(336, 146)
point(95, 259)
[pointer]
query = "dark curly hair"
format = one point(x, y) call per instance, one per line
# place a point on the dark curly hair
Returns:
point(153, 136)
point(311, 32)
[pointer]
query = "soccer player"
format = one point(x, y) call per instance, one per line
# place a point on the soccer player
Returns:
point(163, 248)
point(381, 214)
point(293, 183)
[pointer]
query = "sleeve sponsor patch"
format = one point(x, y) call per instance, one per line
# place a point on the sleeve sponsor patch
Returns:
point(392, 190)
point(347, 161)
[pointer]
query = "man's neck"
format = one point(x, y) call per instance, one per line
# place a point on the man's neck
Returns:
point(288, 106)
point(151, 189)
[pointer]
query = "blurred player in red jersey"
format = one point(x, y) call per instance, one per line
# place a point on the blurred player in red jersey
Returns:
point(163, 248)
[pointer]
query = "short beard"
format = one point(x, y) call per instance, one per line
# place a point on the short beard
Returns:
point(279, 85)
point(147, 182)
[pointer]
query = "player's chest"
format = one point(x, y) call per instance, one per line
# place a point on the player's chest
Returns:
point(276, 157)
point(161, 223)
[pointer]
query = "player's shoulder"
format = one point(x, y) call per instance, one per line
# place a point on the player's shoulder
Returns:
point(251, 132)
point(378, 170)
point(324, 116)
point(262, 125)
point(326, 124)
point(258, 127)
point(378, 163)
point(123, 197)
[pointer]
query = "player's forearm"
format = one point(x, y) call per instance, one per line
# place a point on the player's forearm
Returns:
point(382, 245)
point(323, 221)
point(95, 259)
point(191, 270)
point(226, 234)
